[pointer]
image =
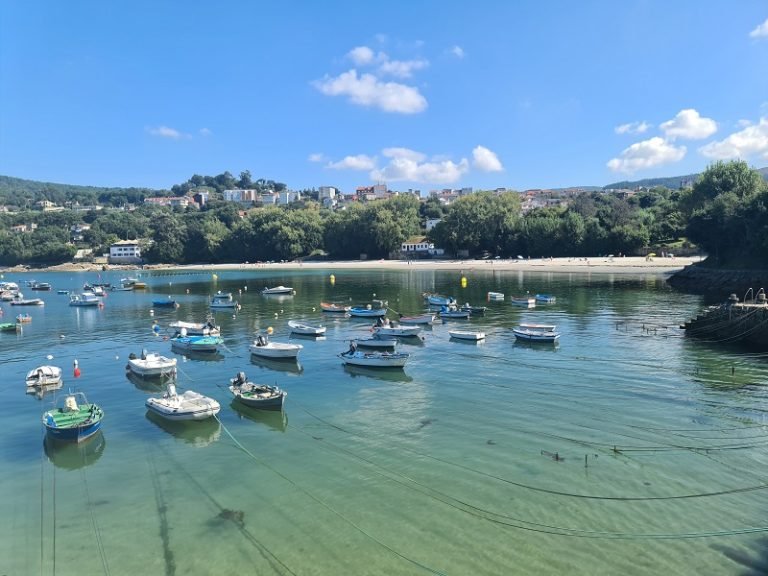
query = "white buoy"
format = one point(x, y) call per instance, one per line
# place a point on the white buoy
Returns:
point(50, 357)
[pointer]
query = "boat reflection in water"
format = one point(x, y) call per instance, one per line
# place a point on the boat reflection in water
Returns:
point(152, 385)
point(387, 374)
point(199, 433)
point(189, 355)
point(536, 346)
point(275, 419)
point(74, 455)
point(282, 365)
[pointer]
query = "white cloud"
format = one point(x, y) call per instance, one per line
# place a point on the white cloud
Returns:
point(406, 167)
point(457, 51)
point(402, 68)
point(632, 128)
point(166, 132)
point(367, 90)
point(316, 157)
point(486, 160)
point(690, 125)
point(404, 153)
point(357, 162)
point(751, 141)
point(761, 31)
point(205, 132)
point(364, 56)
point(646, 154)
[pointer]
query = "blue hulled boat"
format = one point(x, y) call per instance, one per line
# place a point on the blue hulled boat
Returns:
point(75, 421)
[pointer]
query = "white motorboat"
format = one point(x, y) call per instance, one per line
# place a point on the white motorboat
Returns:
point(43, 377)
point(305, 329)
point(374, 359)
point(466, 335)
point(187, 406)
point(265, 348)
point(427, 318)
point(84, 299)
point(151, 364)
point(208, 328)
point(223, 301)
point(495, 296)
point(538, 327)
point(277, 290)
point(397, 330)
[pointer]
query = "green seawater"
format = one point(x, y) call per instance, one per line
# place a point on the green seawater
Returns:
point(627, 448)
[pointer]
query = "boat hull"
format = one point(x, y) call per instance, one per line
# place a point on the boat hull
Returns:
point(260, 397)
point(273, 351)
point(533, 336)
point(401, 331)
point(464, 335)
point(73, 425)
point(377, 343)
point(374, 359)
point(206, 408)
point(421, 319)
point(146, 370)
point(367, 312)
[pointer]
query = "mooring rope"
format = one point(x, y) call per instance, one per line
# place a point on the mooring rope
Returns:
point(94, 523)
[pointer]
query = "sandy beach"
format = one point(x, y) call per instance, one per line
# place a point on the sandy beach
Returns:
point(601, 264)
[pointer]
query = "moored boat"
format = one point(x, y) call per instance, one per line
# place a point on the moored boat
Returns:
point(466, 335)
point(397, 330)
point(187, 406)
point(197, 343)
point(23, 319)
point(367, 311)
point(427, 318)
point(453, 312)
point(305, 329)
point(264, 347)
point(207, 328)
point(333, 308)
point(41, 286)
point(474, 310)
point(495, 296)
point(538, 327)
point(27, 301)
point(223, 300)
point(84, 299)
point(376, 343)
point(523, 301)
point(43, 376)
point(535, 335)
point(277, 290)
point(374, 359)
point(151, 364)
point(256, 395)
point(545, 298)
point(169, 303)
point(75, 421)
point(438, 299)
point(9, 326)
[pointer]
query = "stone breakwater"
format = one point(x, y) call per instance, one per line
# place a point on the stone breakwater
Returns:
point(732, 322)
point(696, 279)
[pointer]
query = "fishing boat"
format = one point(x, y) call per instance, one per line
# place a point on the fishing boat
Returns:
point(535, 335)
point(495, 297)
point(427, 318)
point(374, 359)
point(23, 319)
point(264, 347)
point(376, 343)
point(41, 286)
point(43, 376)
point(397, 330)
point(196, 343)
point(9, 326)
point(438, 299)
point(207, 328)
point(169, 303)
point(453, 312)
point(367, 311)
point(305, 329)
point(277, 290)
point(62, 292)
point(545, 298)
point(84, 299)
point(223, 300)
point(19, 300)
point(524, 301)
point(96, 289)
point(467, 335)
point(332, 308)
point(133, 283)
point(474, 310)
point(187, 406)
point(256, 395)
point(75, 421)
point(151, 364)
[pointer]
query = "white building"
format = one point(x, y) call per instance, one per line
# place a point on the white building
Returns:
point(326, 192)
point(125, 252)
point(286, 197)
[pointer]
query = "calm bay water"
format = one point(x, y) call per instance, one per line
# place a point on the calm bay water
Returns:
point(626, 449)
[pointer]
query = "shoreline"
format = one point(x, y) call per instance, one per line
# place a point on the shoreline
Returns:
point(602, 264)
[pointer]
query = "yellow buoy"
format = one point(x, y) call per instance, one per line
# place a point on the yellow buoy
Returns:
point(333, 279)
point(463, 281)
point(270, 330)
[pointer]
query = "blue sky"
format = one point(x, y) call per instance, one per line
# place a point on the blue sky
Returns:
point(416, 94)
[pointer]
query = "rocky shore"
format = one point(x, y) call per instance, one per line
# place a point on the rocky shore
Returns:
point(697, 279)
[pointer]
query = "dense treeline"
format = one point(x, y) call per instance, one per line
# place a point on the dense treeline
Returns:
point(725, 213)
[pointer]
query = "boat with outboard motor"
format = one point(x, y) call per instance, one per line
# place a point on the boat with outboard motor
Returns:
point(151, 364)
point(264, 347)
point(255, 395)
point(189, 405)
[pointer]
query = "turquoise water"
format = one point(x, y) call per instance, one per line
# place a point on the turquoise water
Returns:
point(626, 449)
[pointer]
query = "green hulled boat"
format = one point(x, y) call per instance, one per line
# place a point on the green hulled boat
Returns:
point(9, 327)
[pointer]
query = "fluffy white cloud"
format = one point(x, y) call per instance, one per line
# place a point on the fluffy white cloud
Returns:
point(632, 128)
point(402, 68)
point(457, 51)
point(689, 124)
point(166, 132)
point(408, 166)
point(751, 141)
point(646, 154)
point(761, 31)
point(367, 90)
point(357, 162)
point(316, 157)
point(362, 55)
point(486, 160)
point(404, 153)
